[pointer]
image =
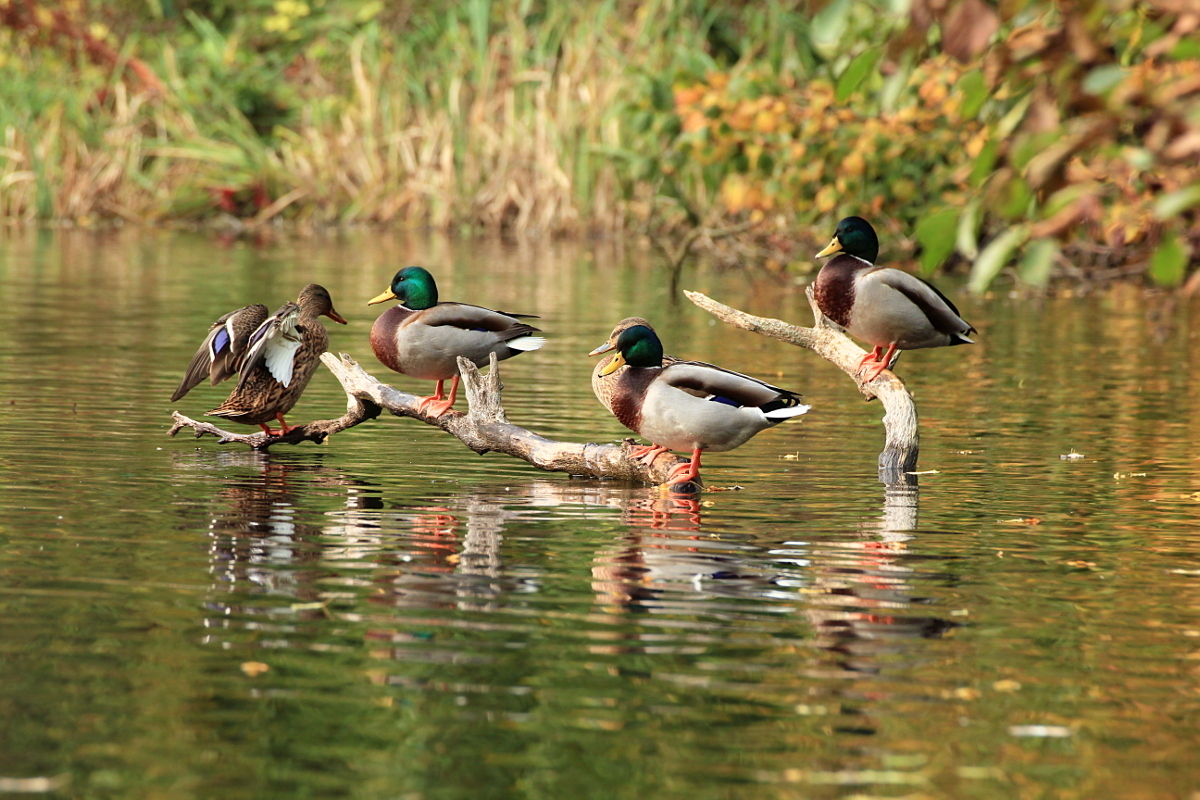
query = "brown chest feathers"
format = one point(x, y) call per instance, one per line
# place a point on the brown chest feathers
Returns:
point(834, 289)
point(630, 393)
point(383, 336)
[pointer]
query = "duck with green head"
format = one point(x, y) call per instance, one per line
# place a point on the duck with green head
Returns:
point(276, 356)
point(423, 338)
point(888, 308)
point(685, 405)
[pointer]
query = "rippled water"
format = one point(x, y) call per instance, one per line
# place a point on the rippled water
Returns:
point(392, 616)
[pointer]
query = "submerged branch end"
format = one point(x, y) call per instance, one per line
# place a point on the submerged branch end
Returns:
point(901, 437)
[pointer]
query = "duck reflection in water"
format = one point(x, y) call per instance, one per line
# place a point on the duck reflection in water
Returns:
point(261, 543)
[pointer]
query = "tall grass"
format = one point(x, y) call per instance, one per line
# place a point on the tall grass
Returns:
point(480, 114)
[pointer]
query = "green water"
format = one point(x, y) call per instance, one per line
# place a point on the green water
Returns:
point(392, 616)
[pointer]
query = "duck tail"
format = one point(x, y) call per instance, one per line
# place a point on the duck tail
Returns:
point(784, 408)
point(527, 343)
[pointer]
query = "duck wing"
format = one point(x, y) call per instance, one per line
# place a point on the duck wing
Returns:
point(941, 313)
point(223, 349)
point(477, 318)
point(273, 345)
point(732, 389)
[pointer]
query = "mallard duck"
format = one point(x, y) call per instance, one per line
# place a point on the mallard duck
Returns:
point(276, 356)
point(423, 338)
point(686, 405)
point(603, 383)
point(888, 308)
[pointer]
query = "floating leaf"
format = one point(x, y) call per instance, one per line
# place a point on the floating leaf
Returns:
point(853, 75)
point(936, 233)
point(1169, 261)
point(995, 256)
point(1034, 268)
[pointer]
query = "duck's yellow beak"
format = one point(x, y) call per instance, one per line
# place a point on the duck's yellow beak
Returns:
point(834, 247)
point(604, 348)
point(617, 362)
point(382, 298)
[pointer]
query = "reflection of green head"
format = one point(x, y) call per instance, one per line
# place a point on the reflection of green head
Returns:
point(415, 288)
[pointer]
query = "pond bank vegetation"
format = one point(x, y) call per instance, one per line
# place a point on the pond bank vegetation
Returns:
point(1033, 139)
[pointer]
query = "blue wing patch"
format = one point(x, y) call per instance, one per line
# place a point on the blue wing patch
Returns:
point(725, 401)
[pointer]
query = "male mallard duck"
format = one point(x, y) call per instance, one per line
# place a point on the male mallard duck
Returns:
point(276, 356)
point(886, 307)
point(686, 405)
point(423, 338)
point(602, 382)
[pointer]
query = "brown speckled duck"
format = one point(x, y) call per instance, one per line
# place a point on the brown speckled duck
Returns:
point(423, 338)
point(275, 355)
point(685, 405)
point(887, 308)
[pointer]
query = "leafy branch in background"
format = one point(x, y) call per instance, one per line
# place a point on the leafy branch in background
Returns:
point(1033, 140)
point(1066, 136)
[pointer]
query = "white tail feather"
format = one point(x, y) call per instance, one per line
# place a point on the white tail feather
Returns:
point(526, 343)
point(787, 413)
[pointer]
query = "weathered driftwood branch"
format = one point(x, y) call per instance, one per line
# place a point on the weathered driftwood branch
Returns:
point(901, 443)
point(483, 428)
point(357, 410)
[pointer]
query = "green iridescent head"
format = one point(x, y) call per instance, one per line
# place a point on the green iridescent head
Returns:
point(638, 346)
point(414, 287)
point(856, 237)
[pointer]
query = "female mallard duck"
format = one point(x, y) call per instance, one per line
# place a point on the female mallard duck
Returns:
point(685, 405)
point(424, 338)
point(276, 356)
point(888, 308)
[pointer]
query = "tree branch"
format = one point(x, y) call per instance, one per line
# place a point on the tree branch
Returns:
point(483, 428)
point(901, 445)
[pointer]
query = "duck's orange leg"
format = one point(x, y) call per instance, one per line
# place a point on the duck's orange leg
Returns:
point(284, 428)
point(870, 358)
point(685, 473)
point(646, 453)
point(439, 404)
point(873, 372)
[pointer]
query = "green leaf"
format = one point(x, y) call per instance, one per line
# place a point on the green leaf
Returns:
point(984, 163)
point(1100, 80)
point(1170, 205)
point(966, 241)
point(936, 233)
point(1012, 119)
point(856, 72)
point(829, 24)
point(995, 256)
point(1169, 261)
point(368, 12)
point(661, 95)
point(1034, 268)
point(974, 91)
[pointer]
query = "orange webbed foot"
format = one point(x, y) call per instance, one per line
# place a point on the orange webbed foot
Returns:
point(646, 453)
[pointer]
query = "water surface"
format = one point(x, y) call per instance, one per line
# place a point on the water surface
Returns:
point(392, 616)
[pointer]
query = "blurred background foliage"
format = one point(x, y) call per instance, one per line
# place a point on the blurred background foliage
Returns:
point(1023, 138)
